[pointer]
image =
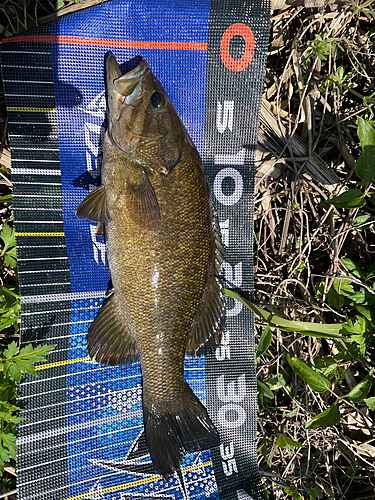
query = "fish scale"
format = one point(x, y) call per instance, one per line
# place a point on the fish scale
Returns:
point(164, 253)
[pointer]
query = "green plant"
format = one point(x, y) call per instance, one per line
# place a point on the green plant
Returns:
point(356, 290)
point(319, 47)
point(320, 383)
point(319, 380)
point(363, 8)
point(8, 253)
point(10, 302)
point(292, 493)
point(359, 303)
point(365, 169)
point(60, 3)
point(331, 331)
point(338, 81)
point(10, 307)
point(13, 363)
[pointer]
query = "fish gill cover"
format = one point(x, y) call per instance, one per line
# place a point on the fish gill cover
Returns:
point(82, 436)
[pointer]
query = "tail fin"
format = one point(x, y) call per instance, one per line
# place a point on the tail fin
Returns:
point(170, 436)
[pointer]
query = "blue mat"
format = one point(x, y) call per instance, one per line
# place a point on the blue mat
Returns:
point(82, 437)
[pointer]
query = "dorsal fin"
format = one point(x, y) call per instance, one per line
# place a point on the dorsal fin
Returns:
point(209, 317)
point(108, 340)
point(212, 304)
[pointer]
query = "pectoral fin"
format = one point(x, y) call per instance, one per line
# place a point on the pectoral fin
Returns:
point(94, 206)
point(142, 203)
point(100, 229)
point(108, 340)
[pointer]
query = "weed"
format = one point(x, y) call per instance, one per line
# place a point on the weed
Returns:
point(13, 363)
point(365, 169)
point(321, 47)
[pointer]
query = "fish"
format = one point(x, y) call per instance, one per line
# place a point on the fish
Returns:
point(164, 253)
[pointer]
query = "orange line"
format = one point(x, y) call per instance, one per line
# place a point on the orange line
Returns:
point(102, 42)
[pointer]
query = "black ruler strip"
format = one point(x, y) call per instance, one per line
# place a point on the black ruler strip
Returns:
point(236, 54)
point(42, 464)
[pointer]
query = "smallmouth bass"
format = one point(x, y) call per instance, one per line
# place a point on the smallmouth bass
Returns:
point(164, 254)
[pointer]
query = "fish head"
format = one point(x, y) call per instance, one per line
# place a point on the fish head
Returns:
point(142, 119)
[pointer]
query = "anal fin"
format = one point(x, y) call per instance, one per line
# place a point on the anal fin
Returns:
point(108, 340)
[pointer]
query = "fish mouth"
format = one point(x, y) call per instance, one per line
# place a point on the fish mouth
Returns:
point(128, 85)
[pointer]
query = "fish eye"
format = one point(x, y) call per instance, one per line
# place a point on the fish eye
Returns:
point(157, 100)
